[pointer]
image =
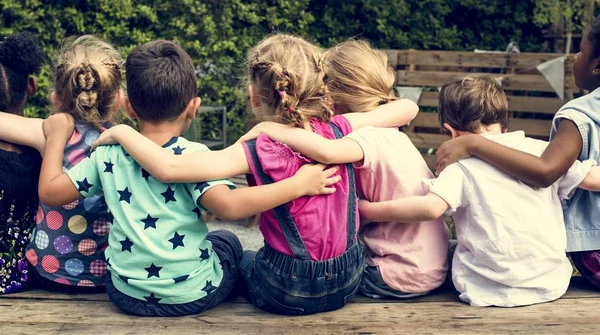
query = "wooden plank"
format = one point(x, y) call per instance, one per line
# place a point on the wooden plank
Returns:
point(518, 82)
point(432, 317)
point(426, 141)
point(531, 127)
point(467, 59)
point(392, 57)
point(516, 103)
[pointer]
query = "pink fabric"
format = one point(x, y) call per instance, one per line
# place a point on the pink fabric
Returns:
point(412, 257)
point(321, 220)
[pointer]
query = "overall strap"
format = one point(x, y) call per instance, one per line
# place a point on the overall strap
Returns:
point(352, 198)
point(282, 212)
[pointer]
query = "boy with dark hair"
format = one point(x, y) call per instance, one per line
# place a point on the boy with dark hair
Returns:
point(161, 258)
point(511, 237)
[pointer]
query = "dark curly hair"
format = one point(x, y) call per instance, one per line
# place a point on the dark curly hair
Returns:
point(593, 35)
point(21, 55)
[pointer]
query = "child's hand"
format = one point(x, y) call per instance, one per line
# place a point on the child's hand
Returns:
point(109, 136)
point(314, 179)
point(454, 150)
point(262, 128)
point(363, 209)
point(59, 125)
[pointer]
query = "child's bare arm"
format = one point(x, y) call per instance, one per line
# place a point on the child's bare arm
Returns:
point(541, 171)
point(55, 188)
point(312, 145)
point(21, 130)
point(592, 180)
point(169, 168)
point(393, 114)
point(410, 209)
point(233, 205)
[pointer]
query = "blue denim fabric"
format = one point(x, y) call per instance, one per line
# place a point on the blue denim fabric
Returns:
point(228, 248)
point(582, 215)
point(281, 284)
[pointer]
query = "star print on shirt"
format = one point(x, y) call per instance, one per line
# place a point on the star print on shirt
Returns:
point(201, 187)
point(180, 279)
point(108, 262)
point(177, 240)
point(145, 174)
point(178, 150)
point(169, 195)
point(204, 255)
point(84, 186)
point(108, 167)
point(209, 288)
point(126, 244)
point(197, 211)
point(125, 195)
point(152, 298)
point(153, 271)
point(125, 279)
point(149, 222)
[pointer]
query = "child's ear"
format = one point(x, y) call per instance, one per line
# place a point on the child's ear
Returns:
point(192, 108)
point(53, 101)
point(32, 86)
point(126, 104)
point(453, 132)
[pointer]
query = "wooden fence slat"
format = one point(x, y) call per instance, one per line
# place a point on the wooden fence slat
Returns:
point(516, 103)
point(519, 82)
point(467, 59)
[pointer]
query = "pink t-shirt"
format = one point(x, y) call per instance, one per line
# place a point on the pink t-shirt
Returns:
point(412, 257)
point(320, 220)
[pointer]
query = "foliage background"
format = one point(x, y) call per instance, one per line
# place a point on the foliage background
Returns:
point(218, 33)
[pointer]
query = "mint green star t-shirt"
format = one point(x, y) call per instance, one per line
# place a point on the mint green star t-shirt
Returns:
point(158, 251)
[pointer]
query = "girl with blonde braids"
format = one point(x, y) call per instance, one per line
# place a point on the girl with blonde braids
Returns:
point(312, 260)
point(405, 260)
point(66, 252)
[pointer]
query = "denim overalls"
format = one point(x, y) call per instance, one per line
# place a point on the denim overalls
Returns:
point(297, 285)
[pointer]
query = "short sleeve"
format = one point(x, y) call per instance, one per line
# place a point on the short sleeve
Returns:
point(450, 186)
point(583, 122)
point(197, 190)
point(85, 176)
point(571, 180)
point(367, 138)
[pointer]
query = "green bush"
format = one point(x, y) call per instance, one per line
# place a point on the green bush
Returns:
point(218, 33)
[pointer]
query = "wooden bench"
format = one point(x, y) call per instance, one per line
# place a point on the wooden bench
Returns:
point(39, 312)
point(532, 101)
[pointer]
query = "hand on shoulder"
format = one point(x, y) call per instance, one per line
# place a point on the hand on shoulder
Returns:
point(59, 125)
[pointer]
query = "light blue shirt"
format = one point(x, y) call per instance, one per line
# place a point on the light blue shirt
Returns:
point(582, 215)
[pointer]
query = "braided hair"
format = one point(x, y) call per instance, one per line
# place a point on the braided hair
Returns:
point(87, 80)
point(21, 56)
point(287, 76)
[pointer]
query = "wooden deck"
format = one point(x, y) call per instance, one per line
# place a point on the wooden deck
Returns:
point(38, 312)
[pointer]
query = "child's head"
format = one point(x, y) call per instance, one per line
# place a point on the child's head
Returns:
point(469, 103)
point(21, 56)
point(586, 68)
point(87, 80)
point(161, 82)
point(358, 77)
point(285, 77)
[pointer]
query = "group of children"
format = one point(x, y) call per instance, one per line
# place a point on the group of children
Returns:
point(126, 219)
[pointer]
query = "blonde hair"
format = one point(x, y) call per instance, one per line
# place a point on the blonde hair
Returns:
point(87, 79)
point(358, 76)
point(286, 75)
point(467, 103)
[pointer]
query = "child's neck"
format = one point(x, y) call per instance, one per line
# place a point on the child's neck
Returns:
point(491, 129)
point(161, 132)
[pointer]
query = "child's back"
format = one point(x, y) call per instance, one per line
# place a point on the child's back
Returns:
point(411, 257)
point(158, 251)
point(511, 237)
point(21, 57)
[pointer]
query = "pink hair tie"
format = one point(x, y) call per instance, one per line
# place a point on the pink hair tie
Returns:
point(282, 94)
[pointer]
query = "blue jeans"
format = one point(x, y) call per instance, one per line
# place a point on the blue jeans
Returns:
point(281, 284)
point(228, 248)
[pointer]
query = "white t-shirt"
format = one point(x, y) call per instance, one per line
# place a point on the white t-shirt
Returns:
point(511, 237)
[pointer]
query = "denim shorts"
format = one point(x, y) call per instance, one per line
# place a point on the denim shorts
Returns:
point(281, 284)
point(228, 248)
